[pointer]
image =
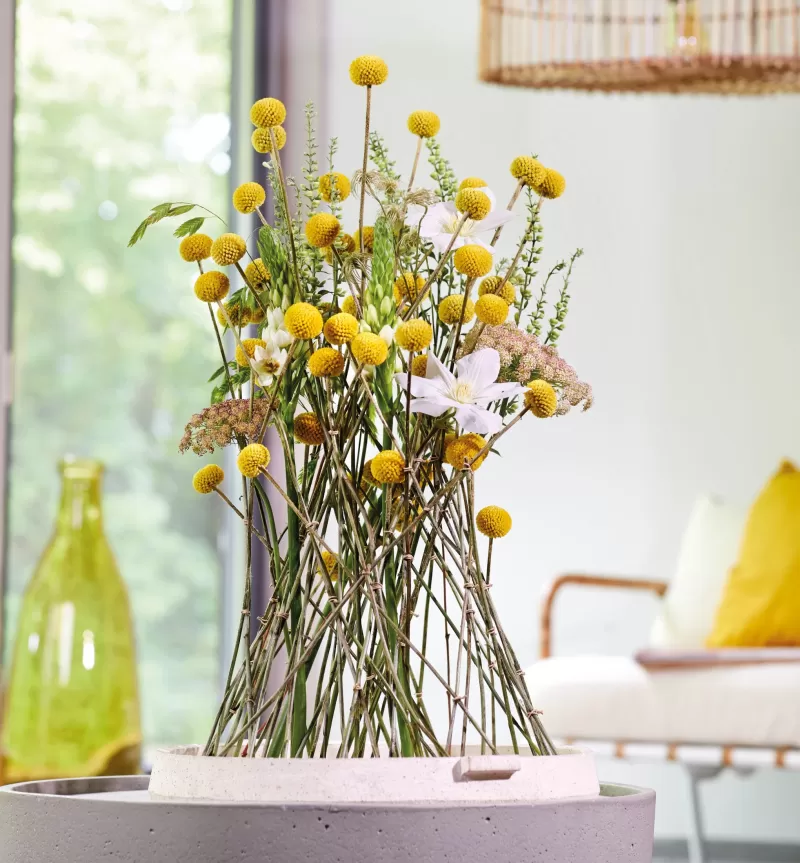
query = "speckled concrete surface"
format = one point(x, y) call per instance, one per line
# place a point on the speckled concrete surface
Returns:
point(83, 827)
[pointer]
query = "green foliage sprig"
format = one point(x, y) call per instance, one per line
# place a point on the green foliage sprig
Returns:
point(167, 210)
point(562, 306)
point(443, 174)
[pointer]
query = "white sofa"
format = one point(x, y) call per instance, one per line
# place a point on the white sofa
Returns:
point(705, 709)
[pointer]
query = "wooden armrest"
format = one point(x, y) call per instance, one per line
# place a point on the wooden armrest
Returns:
point(659, 587)
point(682, 660)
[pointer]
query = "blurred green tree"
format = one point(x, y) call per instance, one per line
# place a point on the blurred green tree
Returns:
point(120, 106)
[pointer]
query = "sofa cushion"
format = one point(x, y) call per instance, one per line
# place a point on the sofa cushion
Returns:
point(708, 551)
point(614, 698)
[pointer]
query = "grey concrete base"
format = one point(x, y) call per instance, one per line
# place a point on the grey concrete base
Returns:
point(88, 820)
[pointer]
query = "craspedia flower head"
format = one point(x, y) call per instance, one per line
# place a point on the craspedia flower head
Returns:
point(326, 363)
point(407, 286)
point(349, 306)
point(212, 286)
point(368, 71)
point(227, 249)
point(195, 247)
point(472, 260)
point(344, 244)
point(473, 203)
point(208, 478)
point(419, 365)
point(541, 399)
point(322, 229)
point(471, 183)
point(256, 315)
point(552, 184)
point(268, 112)
point(252, 458)
point(369, 349)
point(426, 124)
point(388, 466)
point(248, 196)
point(237, 313)
point(334, 180)
point(491, 285)
point(528, 170)
point(452, 309)
point(308, 429)
point(464, 449)
point(246, 351)
point(303, 321)
point(262, 143)
point(491, 310)
point(414, 335)
point(493, 521)
point(331, 562)
point(256, 273)
point(369, 239)
point(341, 328)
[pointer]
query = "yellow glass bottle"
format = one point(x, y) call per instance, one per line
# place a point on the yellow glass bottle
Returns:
point(72, 706)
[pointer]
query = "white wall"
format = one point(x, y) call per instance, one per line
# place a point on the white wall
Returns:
point(684, 315)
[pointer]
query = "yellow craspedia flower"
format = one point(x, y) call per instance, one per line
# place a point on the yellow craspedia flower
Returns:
point(368, 71)
point(195, 247)
point(208, 478)
point(419, 365)
point(528, 170)
point(474, 203)
point(541, 398)
point(263, 144)
point(349, 306)
point(472, 260)
point(472, 183)
point(303, 321)
point(212, 286)
point(248, 196)
point(369, 349)
point(256, 273)
point(322, 229)
point(253, 457)
point(227, 249)
point(552, 185)
point(369, 239)
point(493, 521)
point(491, 284)
point(388, 466)
point(331, 562)
point(452, 308)
point(308, 429)
point(414, 335)
point(426, 124)
point(326, 363)
point(268, 112)
point(341, 328)
point(465, 448)
point(407, 286)
point(344, 243)
point(246, 351)
point(327, 183)
point(256, 315)
point(238, 315)
point(491, 310)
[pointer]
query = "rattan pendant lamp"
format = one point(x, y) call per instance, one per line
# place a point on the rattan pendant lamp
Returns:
point(742, 47)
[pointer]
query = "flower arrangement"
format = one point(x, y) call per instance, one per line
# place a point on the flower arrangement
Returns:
point(390, 361)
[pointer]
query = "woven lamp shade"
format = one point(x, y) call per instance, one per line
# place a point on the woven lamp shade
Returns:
point(697, 46)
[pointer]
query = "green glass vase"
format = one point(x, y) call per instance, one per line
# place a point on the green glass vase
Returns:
point(72, 706)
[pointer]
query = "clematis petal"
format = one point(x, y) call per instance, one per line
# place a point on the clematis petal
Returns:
point(435, 369)
point(422, 387)
point(495, 219)
point(431, 407)
point(480, 369)
point(499, 391)
point(479, 420)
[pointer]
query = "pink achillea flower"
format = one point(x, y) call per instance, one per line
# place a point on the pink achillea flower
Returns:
point(220, 425)
point(524, 358)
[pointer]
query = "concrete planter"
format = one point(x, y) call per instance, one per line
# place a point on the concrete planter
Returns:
point(87, 820)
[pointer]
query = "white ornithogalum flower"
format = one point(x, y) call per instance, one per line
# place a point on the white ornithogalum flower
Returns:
point(469, 391)
point(438, 224)
point(268, 361)
point(387, 334)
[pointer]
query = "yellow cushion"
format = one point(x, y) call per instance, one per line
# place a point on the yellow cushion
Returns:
point(761, 602)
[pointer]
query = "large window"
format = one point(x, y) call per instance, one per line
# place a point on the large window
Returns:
point(120, 105)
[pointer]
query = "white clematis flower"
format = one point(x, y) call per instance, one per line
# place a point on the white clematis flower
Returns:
point(469, 391)
point(438, 223)
point(268, 361)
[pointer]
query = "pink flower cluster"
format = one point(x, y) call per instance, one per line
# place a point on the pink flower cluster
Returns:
point(222, 423)
point(523, 358)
